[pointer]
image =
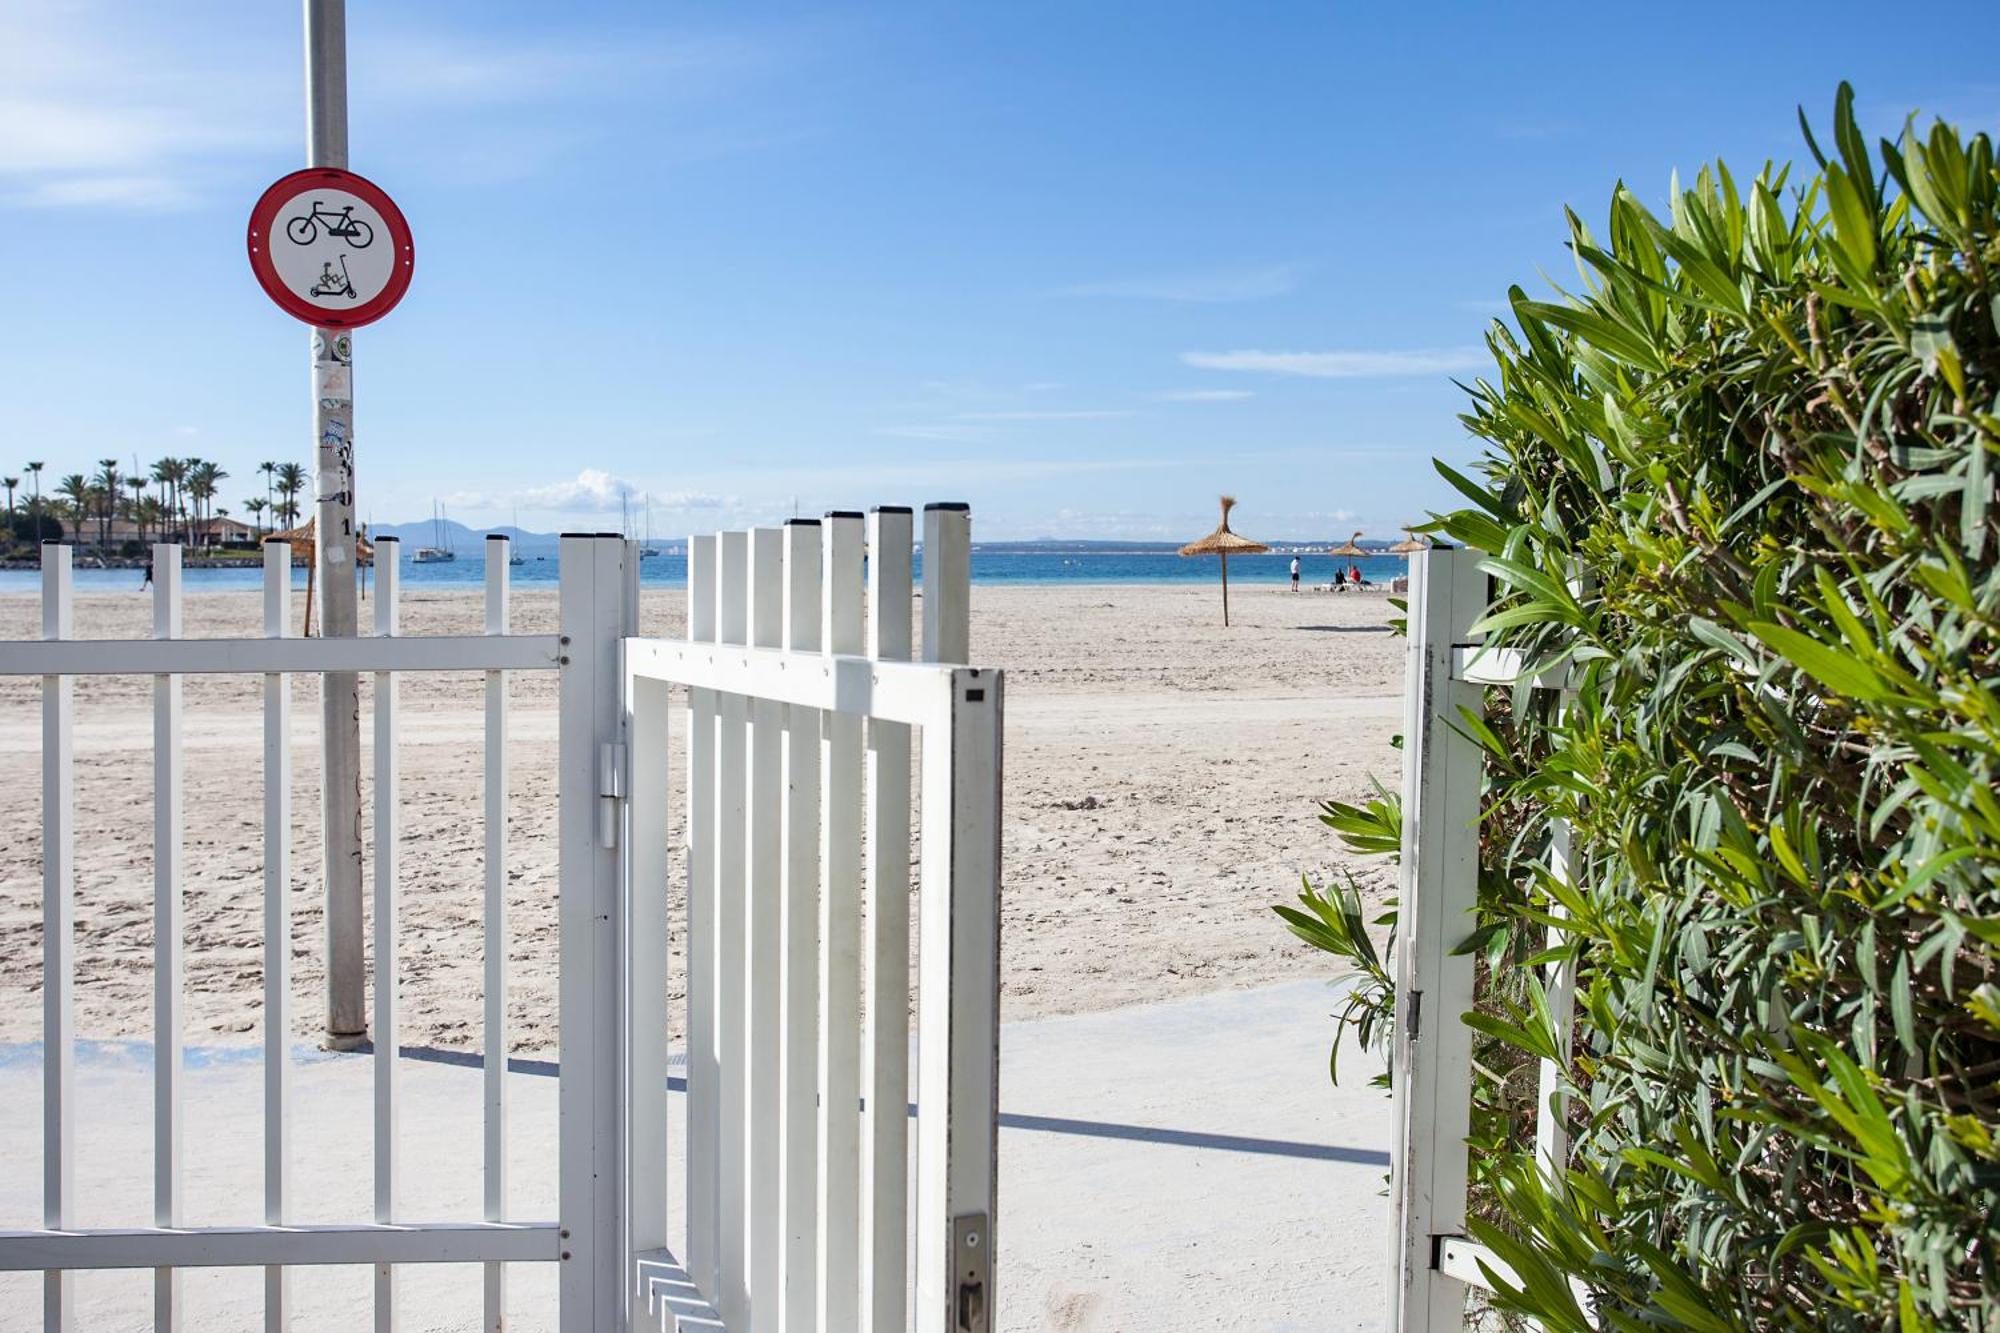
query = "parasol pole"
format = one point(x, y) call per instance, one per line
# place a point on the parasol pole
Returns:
point(1225, 590)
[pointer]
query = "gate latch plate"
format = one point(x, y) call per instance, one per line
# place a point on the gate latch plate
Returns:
point(972, 1265)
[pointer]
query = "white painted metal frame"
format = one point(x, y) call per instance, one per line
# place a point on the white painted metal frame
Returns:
point(493, 1295)
point(799, 1197)
point(1448, 668)
point(598, 610)
point(806, 1213)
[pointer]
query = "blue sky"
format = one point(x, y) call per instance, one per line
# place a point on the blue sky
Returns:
point(1083, 265)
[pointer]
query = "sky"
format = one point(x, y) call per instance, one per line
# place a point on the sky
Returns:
point(1083, 265)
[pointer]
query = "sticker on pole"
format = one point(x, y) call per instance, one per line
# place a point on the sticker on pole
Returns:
point(331, 248)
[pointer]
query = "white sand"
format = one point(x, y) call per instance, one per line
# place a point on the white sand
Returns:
point(1161, 777)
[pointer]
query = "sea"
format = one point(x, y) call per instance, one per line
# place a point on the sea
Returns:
point(1018, 563)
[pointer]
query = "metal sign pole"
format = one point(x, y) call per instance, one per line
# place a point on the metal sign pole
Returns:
point(333, 442)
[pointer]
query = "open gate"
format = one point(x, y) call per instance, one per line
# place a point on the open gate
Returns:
point(1435, 1263)
point(798, 802)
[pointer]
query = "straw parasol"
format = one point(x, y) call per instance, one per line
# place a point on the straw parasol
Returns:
point(304, 548)
point(1411, 544)
point(1350, 547)
point(1225, 543)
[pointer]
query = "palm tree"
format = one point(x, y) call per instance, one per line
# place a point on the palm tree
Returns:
point(255, 508)
point(204, 479)
point(269, 469)
point(75, 490)
point(10, 483)
point(169, 472)
point(291, 480)
point(107, 483)
point(149, 513)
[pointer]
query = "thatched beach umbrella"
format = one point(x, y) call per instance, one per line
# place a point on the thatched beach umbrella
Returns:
point(1350, 547)
point(304, 548)
point(1225, 543)
point(1411, 544)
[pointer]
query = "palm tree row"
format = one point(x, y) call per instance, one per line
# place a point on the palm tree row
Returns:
point(171, 499)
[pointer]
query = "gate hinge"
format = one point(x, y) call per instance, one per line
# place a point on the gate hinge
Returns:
point(610, 791)
point(1416, 1024)
point(611, 771)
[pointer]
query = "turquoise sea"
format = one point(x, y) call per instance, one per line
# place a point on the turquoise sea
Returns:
point(991, 563)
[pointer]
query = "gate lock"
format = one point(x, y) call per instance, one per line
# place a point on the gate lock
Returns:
point(972, 1262)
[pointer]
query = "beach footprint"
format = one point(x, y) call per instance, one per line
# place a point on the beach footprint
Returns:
point(1072, 1310)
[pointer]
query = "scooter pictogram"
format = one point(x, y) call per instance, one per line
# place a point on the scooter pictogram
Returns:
point(331, 283)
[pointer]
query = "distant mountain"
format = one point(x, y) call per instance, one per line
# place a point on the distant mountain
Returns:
point(466, 541)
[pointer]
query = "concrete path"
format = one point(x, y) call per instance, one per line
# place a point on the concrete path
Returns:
point(1177, 1166)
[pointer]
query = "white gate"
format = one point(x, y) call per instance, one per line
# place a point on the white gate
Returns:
point(798, 805)
point(792, 1208)
point(1435, 1262)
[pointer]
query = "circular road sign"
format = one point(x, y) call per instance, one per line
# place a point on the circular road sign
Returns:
point(331, 248)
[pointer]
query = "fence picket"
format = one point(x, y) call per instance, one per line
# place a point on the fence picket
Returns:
point(388, 961)
point(764, 942)
point(493, 1038)
point(837, 1299)
point(277, 930)
point(169, 932)
point(1551, 1131)
point(885, 1047)
point(798, 929)
point(703, 1128)
point(646, 951)
point(58, 938)
point(947, 583)
point(732, 604)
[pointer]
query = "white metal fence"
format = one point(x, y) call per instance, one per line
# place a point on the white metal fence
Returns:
point(1435, 1263)
point(798, 805)
point(798, 802)
point(392, 1238)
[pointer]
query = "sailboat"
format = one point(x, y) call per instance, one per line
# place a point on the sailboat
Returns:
point(516, 558)
point(647, 550)
point(439, 551)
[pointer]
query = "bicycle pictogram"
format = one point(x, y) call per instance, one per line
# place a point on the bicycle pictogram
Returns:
point(304, 230)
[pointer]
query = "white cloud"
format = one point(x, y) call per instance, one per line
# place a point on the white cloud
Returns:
point(1086, 414)
point(100, 113)
point(1205, 395)
point(942, 434)
point(1206, 286)
point(1344, 365)
point(592, 491)
point(150, 108)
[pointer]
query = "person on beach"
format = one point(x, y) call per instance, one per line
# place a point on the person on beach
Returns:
point(147, 581)
point(1354, 576)
point(1295, 573)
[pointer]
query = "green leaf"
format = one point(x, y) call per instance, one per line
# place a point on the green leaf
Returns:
point(1831, 668)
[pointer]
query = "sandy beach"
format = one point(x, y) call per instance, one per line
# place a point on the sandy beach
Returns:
point(1161, 777)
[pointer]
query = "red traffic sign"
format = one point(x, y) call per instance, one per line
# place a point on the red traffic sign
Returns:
point(331, 248)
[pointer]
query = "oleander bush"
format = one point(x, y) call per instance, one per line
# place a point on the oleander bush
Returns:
point(1740, 485)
